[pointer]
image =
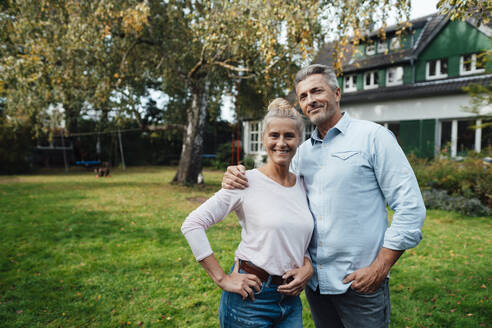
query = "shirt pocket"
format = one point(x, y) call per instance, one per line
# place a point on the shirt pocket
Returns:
point(352, 157)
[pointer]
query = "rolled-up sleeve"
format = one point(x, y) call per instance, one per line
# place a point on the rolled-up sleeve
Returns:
point(214, 210)
point(401, 191)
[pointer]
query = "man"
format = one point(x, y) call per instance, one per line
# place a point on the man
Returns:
point(351, 169)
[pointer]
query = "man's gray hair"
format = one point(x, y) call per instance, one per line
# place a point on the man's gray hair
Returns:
point(327, 72)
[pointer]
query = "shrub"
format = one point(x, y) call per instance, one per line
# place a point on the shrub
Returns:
point(470, 177)
point(224, 156)
point(249, 162)
point(16, 148)
point(439, 199)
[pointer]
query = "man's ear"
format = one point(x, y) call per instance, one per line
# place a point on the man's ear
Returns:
point(338, 94)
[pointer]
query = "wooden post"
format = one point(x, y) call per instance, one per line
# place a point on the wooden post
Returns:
point(121, 151)
point(64, 152)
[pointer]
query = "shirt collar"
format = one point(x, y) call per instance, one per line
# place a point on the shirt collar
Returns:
point(341, 126)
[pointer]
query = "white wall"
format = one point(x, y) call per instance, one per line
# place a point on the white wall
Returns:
point(441, 107)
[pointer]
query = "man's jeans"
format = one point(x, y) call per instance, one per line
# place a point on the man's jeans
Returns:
point(270, 309)
point(351, 309)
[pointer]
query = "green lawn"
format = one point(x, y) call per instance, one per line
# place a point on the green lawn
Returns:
point(84, 252)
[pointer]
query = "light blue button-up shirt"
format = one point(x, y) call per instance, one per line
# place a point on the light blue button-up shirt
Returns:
point(350, 176)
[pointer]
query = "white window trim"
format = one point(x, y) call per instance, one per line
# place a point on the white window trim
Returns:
point(400, 82)
point(382, 46)
point(251, 142)
point(395, 43)
point(373, 51)
point(353, 86)
point(474, 69)
point(372, 85)
point(438, 70)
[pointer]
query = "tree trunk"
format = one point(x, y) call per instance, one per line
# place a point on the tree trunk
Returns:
point(190, 162)
point(72, 114)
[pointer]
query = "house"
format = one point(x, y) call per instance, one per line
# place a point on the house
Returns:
point(412, 84)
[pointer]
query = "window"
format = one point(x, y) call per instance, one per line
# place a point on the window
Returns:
point(436, 69)
point(254, 137)
point(395, 43)
point(371, 80)
point(394, 76)
point(350, 83)
point(472, 64)
point(382, 46)
point(370, 49)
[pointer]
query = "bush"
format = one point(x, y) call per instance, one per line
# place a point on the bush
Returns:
point(470, 177)
point(16, 148)
point(249, 162)
point(439, 199)
point(224, 156)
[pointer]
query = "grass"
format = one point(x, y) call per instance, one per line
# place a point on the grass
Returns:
point(84, 252)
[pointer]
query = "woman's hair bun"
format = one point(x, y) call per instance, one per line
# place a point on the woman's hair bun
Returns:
point(279, 104)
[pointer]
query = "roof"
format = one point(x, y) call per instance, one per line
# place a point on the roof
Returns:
point(431, 26)
point(420, 89)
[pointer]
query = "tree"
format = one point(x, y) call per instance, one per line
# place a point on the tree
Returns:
point(103, 55)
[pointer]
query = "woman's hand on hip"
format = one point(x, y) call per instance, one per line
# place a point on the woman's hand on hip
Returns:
point(240, 283)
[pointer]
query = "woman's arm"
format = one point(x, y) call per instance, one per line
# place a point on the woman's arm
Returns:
point(235, 282)
point(194, 227)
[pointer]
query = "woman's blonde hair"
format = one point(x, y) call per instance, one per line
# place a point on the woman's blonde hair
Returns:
point(281, 108)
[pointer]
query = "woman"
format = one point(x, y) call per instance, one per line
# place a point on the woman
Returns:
point(276, 229)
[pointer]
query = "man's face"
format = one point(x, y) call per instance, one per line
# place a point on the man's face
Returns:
point(317, 99)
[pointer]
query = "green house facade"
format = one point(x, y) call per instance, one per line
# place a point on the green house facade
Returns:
point(413, 84)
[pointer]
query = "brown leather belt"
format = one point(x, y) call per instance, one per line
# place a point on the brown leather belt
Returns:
point(262, 274)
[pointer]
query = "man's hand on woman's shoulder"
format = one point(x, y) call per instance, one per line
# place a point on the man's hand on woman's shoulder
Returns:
point(235, 178)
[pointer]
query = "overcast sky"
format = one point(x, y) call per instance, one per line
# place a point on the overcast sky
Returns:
point(423, 7)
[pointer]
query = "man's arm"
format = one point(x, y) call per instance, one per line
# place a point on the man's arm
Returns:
point(235, 178)
point(401, 191)
point(300, 278)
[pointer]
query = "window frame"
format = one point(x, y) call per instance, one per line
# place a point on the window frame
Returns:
point(373, 47)
point(256, 142)
point(382, 46)
point(372, 85)
point(353, 84)
point(474, 69)
point(395, 43)
point(399, 82)
point(438, 67)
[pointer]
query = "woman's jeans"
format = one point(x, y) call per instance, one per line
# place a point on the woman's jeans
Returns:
point(269, 309)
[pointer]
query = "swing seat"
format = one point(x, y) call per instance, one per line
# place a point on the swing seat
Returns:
point(88, 164)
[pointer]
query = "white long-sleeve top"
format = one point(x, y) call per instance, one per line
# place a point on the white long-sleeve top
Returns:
point(276, 222)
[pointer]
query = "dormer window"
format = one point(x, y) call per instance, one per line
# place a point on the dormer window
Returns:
point(350, 83)
point(394, 76)
point(395, 43)
point(472, 64)
point(436, 69)
point(371, 80)
point(382, 46)
point(370, 49)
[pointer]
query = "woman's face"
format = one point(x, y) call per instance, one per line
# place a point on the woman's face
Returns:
point(281, 140)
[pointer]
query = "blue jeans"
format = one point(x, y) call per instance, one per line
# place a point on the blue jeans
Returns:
point(270, 309)
point(351, 309)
